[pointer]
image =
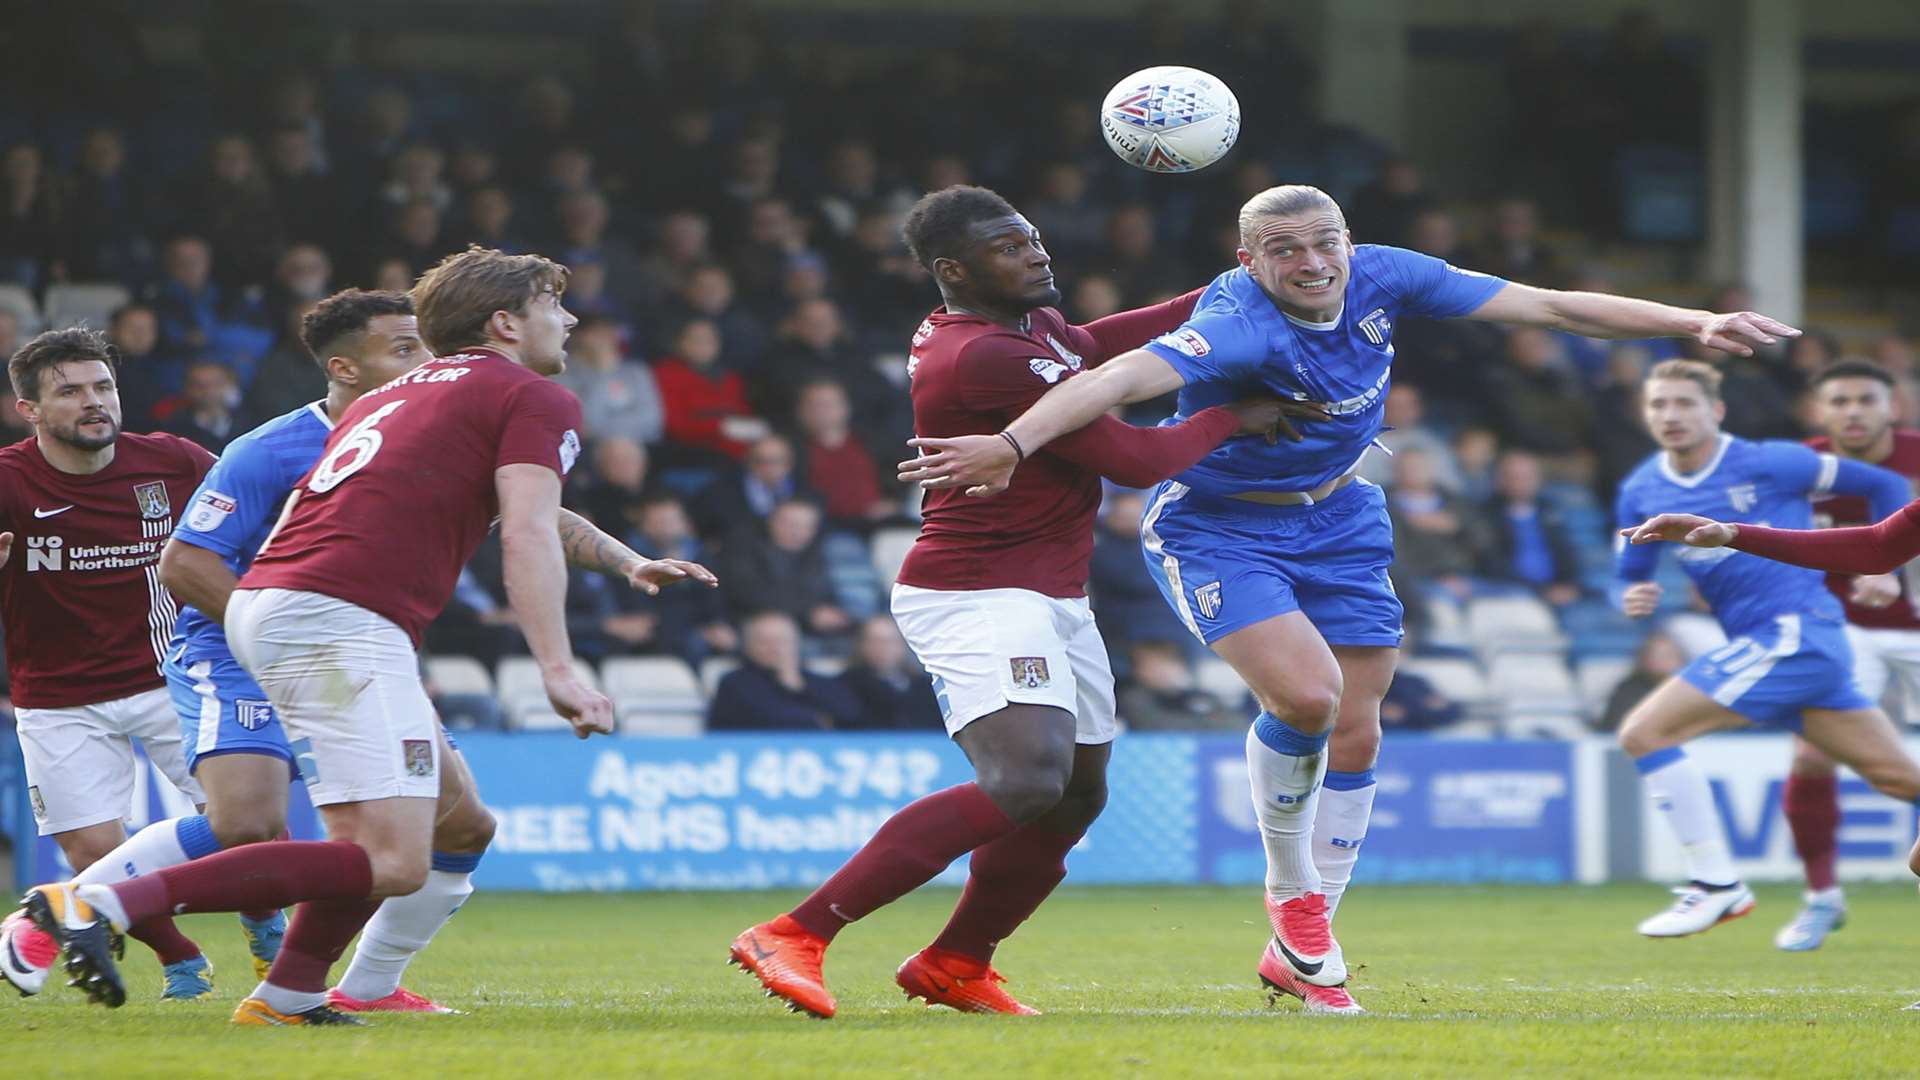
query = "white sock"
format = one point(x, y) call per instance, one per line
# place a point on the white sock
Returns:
point(288, 1002)
point(1338, 830)
point(1285, 796)
point(399, 930)
point(1679, 790)
point(155, 847)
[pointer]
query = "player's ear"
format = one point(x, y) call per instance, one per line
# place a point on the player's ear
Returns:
point(504, 326)
point(344, 370)
point(28, 410)
point(1245, 257)
point(1720, 409)
point(949, 271)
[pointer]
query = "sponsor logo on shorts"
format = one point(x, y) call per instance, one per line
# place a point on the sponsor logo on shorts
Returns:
point(1030, 672)
point(153, 500)
point(417, 754)
point(39, 804)
point(1207, 598)
point(252, 714)
point(1187, 340)
point(209, 509)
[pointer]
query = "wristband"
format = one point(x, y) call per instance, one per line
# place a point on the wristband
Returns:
point(1019, 454)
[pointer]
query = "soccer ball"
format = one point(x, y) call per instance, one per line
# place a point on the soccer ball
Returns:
point(1170, 119)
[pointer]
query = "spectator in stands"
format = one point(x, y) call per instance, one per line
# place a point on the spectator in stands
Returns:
point(813, 344)
point(476, 622)
point(1405, 415)
point(304, 275)
point(752, 170)
point(103, 215)
point(616, 491)
point(380, 131)
point(29, 216)
point(209, 406)
point(1807, 356)
point(1660, 656)
point(200, 318)
point(691, 623)
point(416, 174)
point(393, 275)
point(1068, 218)
point(770, 691)
point(146, 377)
point(707, 293)
point(1754, 387)
point(232, 205)
point(708, 419)
point(1413, 703)
point(618, 396)
point(683, 241)
point(546, 121)
point(487, 220)
point(1094, 296)
point(893, 291)
point(1382, 212)
point(1437, 539)
point(838, 466)
point(894, 694)
point(1513, 249)
point(1621, 441)
point(1126, 603)
point(413, 237)
point(1137, 262)
point(852, 182)
point(1159, 694)
point(781, 568)
point(774, 237)
point(1530, 543)
point(583, 238)
point(1538, 404)
point(308, 199)
point(288, 376)
point(10, 338)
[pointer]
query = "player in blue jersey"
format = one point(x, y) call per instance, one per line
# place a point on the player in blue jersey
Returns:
point(1276, 555)
point(1787, 662)
point(234, 743)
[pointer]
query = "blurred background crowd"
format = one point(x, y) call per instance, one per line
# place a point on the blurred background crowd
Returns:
point(727, 186)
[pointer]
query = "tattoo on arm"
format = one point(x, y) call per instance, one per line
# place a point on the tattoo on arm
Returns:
point(589, 548)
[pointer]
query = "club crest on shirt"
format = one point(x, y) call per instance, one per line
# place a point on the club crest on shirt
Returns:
point(1743, 497)
point(252, 714)
point(1377, 326)
point(152, 497)
point(1207, 597)
point(417, 756)
point(1050, 371)
point(1186, 340)
point(1030, 672)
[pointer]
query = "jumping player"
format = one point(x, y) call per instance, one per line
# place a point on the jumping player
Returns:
point(1855, 403)
point(87, 620)
point(1276, 555)
point(992, 600)
point(365, 554)
point(1786, 662)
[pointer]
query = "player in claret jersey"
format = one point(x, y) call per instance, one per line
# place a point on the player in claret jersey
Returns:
point(86, 509)
point(992, 599)
point(327, 619)
point(1855, 408)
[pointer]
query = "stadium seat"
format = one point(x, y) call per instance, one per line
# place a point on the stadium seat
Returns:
point(1696, 632)
point(1531, 683)
point(1458, 679)
point(712, 670)
point(1543, 724)
point(1446, 624)
point(856, 586)
point(89, 303)
point(470, 712)
point(826, 665)
point(663, 684)
point(524, 697)
point(662, 725)
point(1596, 677)
point(19, 301)
point(890, 550)
point(458, 675)
point(1519, 623)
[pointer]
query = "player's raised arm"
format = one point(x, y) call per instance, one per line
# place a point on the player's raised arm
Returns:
point(1599, 315)
point(589, 547)
point(1868, 549)
point(536, 577)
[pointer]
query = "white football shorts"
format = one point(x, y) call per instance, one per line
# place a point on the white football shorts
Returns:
point(346, 683)
point(80, 763)
point(989, 648)
point(1881, 656)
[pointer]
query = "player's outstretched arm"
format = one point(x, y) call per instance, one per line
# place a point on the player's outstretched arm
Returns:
point(198, 577)
point(1599, 315)
point(985, 463)
point(589, 547)
point(1868, 549)
point(536, 577)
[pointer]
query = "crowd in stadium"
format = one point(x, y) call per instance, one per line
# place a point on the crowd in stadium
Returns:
point(745, 305)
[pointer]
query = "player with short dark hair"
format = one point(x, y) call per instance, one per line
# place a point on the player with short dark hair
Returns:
point(328, 616)
point(87, 620)
point(993, 601)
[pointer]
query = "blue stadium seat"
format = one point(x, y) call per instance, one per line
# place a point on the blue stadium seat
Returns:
point(856, 585)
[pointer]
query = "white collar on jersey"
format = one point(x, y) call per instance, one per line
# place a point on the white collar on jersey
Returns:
point(1330, 324)
point(319, 409)
point(1688, 480)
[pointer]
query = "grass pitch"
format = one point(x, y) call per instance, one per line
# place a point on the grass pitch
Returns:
point(1136, 982)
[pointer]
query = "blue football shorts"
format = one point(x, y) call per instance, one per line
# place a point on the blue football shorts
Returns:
point(1772, 673)
point(222, 710)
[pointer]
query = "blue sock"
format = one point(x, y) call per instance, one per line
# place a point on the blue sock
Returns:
point(454, 863)
point(1659, 759)
point(1347, 781)
point(1283, 738)
point(195, 836)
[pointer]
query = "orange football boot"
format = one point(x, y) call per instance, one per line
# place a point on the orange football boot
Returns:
point(786, 958)
point(943, 977)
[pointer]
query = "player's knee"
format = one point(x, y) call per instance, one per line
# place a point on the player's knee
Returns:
point(467, 830)
point(1809, 762)
point(83, 851)
point(234, 830)
point(1639, 737)
point(1025, 793)
point(1309, 706)
point(398, 873)
point(1079, 807)
point(1898, 780)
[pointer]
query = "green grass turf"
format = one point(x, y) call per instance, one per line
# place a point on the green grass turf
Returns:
point(1136, 982)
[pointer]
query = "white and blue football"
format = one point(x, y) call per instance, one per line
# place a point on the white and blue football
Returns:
point(1170, 119)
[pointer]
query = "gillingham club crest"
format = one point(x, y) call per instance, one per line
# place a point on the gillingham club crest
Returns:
point(152, 497)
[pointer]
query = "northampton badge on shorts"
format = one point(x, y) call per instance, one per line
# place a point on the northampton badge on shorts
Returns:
point(154, 504)
point(418, 755)
point(39, 804)
point(1030, 672)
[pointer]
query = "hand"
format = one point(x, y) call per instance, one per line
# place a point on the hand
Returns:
point(587, 709)
point(1640, 600)
point(6, 547)
point(1689, 529)
point(1869, 590)
point(1740, 331)
point(1269, 416)
point(984, 462)
point(651, 575)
